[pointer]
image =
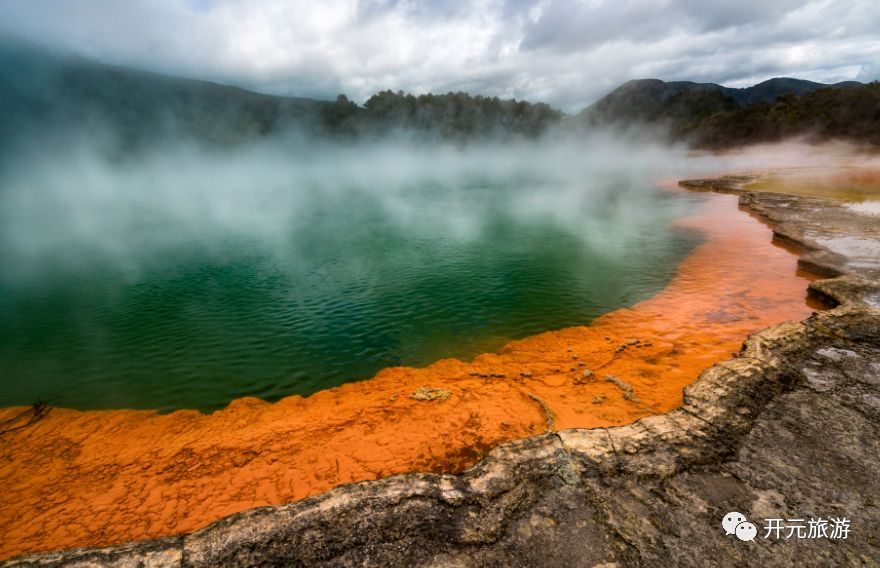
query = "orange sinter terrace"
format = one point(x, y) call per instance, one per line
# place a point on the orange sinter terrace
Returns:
point(89, 478)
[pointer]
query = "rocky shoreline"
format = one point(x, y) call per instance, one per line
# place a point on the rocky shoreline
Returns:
point(788, 429)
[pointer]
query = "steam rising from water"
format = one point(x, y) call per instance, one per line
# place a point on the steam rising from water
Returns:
point(66, 209)
point(76, 205)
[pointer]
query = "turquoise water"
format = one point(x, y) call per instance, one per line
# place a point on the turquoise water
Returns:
point(317, 287)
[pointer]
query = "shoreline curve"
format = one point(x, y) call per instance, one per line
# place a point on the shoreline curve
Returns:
point(539, 380)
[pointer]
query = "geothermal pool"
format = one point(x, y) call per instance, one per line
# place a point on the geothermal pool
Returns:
point(129, 287)
point(101, 477)
point(192, 283)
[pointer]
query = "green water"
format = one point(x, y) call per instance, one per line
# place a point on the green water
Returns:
point(145, 309)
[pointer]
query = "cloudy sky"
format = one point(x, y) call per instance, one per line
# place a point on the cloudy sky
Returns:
point(565, 52)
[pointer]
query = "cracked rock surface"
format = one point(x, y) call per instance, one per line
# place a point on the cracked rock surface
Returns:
point(788, 429)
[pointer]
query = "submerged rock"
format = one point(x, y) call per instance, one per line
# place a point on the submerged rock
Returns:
point(585, 377)
point(426, 393)
point(627, 389)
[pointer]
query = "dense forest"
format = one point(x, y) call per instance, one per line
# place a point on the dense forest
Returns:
point(43, 93)
point(710, 116)
point(850, 114)
point(456, 116)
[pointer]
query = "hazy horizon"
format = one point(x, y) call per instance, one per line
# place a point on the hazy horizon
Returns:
point(565, 53)
point(53, 50)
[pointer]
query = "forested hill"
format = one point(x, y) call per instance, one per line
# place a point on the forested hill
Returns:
point(846, 114)
point(711, 116)
point(42, 90)
point(651, 100)
point(46, 96)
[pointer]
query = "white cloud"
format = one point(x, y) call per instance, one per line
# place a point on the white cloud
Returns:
point(566, 52)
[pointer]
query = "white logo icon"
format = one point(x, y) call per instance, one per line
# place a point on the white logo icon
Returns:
point(746, 531)
point(731, 520)
point(738, 524)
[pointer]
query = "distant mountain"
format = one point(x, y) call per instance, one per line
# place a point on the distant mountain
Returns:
point(653, 100)
point(851, 113)
point(40, 89)
point(712, 116)
point(768, 91)
point(44, 94)
point(50, 97)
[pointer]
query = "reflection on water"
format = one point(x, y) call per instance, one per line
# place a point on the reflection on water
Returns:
point(339, 284)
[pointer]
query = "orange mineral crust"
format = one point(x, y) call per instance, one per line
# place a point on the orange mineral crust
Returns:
point(96, 478)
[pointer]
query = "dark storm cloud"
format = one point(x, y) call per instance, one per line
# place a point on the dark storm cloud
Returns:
point(566, 52)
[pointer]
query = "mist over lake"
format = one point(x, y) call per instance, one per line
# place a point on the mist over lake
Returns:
point(439, 283)
point(187, 278)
